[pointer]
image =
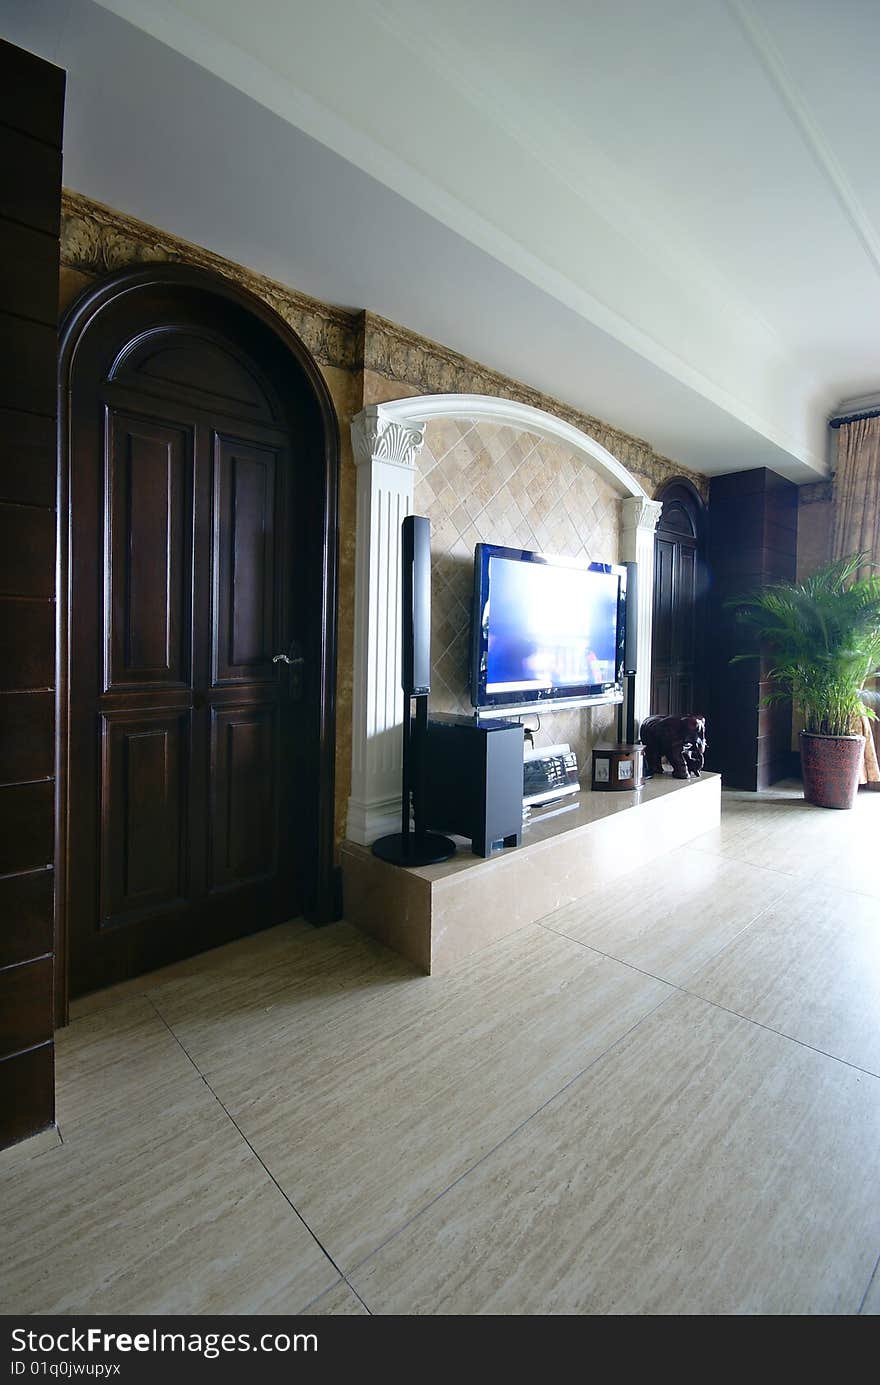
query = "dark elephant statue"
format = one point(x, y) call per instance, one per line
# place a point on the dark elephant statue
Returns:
point(680, 740)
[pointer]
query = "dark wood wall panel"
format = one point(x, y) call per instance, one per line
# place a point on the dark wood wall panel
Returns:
point(27, 729)
point(30, 352)
point(25, 1080)
point(27, 638)
point(27, 915)
point(31, 116)
point(27, 269)
point(30, 190)
point(27, 537)
point(25, 1006)
point(27, 458)
point(27, 826)
point(752, 542)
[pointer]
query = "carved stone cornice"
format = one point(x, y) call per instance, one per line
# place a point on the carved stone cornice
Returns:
point(98, 240)
point(396, 353)
point(390, 440)
point(641, 514)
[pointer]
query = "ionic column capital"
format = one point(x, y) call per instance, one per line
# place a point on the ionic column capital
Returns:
point(641, 513)
point(375, 437)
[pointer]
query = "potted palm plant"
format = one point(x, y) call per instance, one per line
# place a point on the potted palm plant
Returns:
point(823, 635)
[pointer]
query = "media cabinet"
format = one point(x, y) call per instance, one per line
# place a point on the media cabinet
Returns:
point(437, 915)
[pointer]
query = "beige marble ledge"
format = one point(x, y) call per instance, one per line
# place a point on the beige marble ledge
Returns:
point(647, 806)
point(437, 915)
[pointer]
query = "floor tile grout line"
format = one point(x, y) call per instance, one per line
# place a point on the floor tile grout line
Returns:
point(713, 957)
point(864, 1297)
point(260, 1161)
point(684, 990)
point(511, 1133)
point(781, 1034)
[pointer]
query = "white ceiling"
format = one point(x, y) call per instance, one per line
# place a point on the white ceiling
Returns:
point(665, 213)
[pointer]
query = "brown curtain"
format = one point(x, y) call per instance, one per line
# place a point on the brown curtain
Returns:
point(857, 525)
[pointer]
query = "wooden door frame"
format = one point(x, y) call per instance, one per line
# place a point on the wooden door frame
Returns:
point(322, 559)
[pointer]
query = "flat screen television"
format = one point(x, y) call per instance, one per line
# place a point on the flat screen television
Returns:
point(545, 631)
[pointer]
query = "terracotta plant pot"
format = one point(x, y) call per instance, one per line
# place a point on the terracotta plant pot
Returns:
point(831, 767)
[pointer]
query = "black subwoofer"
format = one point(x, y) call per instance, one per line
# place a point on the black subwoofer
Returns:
point(473, 783)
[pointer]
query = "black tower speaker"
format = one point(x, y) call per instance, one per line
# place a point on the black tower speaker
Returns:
point(416, 587)
point(626, 719)
point(417, 847)
point(631, 653)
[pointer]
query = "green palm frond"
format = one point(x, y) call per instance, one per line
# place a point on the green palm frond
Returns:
point(823, 635)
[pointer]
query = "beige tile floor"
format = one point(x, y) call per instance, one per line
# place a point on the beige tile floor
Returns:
point(665, 1100)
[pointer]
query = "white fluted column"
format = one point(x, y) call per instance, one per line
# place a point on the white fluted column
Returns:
point(385, 452)
point(640, 516)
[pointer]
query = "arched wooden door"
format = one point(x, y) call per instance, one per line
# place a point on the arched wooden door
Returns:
point(677, 652)
point(201, 474)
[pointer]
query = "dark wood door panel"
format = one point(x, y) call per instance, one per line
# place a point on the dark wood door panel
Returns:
point(244, 562)
point(143, 815)
point(661, 695)
point(202, 375)
point(245, 752)
point(663, 600)
point(149, 564)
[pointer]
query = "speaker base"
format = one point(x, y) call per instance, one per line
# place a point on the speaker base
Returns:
point(422, 849)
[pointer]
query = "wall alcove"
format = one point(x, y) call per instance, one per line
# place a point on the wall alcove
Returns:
point(483, 469)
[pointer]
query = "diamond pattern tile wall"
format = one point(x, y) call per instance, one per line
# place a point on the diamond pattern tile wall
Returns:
point(485, 483)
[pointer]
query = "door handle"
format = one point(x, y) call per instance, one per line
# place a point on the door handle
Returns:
point(295, 662)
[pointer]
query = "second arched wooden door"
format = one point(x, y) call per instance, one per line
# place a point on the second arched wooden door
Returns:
point(199, 526)
point(677, 654)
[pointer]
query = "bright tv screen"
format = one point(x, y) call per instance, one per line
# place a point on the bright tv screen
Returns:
point(544, 630)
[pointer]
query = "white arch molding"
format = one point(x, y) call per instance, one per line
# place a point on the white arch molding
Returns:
point(387, 439)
